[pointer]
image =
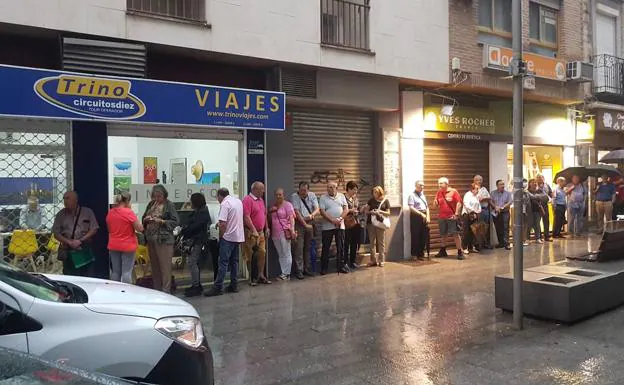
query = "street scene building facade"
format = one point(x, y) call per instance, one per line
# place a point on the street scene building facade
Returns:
point(340, 70)
point(191, 146)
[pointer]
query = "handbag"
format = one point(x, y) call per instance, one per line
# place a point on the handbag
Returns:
point(82, 257)
point(63, 250)
point(288, 232)
point(185, 245)
point(350, 220)
point(383, 223)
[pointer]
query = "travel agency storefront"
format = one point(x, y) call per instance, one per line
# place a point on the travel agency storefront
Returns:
point(99, 136)
point(479, 141)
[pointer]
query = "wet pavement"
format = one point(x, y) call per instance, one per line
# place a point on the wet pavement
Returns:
point(407, 323)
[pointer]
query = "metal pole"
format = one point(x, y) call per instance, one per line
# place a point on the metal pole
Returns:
point(516, 28)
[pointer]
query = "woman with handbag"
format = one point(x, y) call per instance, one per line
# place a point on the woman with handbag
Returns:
point(378, 221)
point(195, 234)
point(122, 225)
point(159, 220)
point(282, 225)
point(353, 230)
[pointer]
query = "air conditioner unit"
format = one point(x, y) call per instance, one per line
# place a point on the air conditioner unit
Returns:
point(580, 71)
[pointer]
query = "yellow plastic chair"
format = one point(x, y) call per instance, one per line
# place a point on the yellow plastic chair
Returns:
point(141, 263)
point(23, 245)
point(54, 265)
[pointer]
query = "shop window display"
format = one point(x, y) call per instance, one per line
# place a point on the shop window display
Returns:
point(184, 167)
point(545, 160)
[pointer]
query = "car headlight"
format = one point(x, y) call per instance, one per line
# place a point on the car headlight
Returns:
point(186, 330)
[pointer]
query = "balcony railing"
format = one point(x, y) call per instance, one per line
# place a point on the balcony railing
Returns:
point(608, 76)
point(179, 9)
point(346, 23)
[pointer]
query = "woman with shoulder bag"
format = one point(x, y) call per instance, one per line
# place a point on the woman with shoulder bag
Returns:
point(159, 220)
point(353, 230)
point(196, 234)
point(282, 225)
point(122, 240)
point(378, 221)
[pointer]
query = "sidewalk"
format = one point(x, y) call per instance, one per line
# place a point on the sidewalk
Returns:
point(406, 324)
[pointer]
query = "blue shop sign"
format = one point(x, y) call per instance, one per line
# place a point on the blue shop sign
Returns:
point(31, 92)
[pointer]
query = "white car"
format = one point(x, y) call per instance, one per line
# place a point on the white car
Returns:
point(103, 326)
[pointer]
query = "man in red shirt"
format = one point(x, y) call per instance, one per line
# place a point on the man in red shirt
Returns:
point(448, 201)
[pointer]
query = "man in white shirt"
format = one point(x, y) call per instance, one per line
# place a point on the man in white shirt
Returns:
point(333, 207)
point(231, 235)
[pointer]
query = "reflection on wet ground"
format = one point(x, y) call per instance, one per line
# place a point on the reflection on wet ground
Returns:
point(407, 324)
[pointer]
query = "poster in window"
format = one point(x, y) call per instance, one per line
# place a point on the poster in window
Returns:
point(392, 166)
point(15, 190)
point(121, 184)
point(150, 170)
point(122, 167)
point(178, 171)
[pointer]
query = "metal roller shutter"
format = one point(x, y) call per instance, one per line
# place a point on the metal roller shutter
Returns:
point(459, 162)
point(333, 146)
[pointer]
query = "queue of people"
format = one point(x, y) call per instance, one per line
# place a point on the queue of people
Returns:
point(465, 221)
point(343, 221)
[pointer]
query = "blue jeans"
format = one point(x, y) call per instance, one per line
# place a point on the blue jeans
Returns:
point(228, 257)
point(576, 220)
point(484, 216)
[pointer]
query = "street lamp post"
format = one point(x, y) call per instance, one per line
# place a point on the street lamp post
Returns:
point(518, 69)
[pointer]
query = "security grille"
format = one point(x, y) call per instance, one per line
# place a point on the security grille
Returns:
point(35, 172)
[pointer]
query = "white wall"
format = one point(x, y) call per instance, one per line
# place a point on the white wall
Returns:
point(410, 39)
point(412, 154)
point(498, 163)
point(216, 155)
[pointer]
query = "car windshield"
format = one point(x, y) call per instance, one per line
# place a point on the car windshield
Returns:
point(28, 283)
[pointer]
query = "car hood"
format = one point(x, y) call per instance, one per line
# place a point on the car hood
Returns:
point(110, 297)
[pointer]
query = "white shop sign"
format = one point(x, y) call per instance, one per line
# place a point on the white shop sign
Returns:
point(141, 193)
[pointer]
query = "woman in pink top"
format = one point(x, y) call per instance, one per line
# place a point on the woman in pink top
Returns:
point(122, 242)
point(282, 221)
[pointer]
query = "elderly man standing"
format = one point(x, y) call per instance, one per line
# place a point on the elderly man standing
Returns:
point(334, 209)
point(231, 235)
point(255, 217)
point(306, 209)
point(501, 201)
point(420, 216)
point(449, 203)
point(74, 227)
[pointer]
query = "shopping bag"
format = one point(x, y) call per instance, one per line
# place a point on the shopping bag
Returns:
point(493, 236)
point(81, 257)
